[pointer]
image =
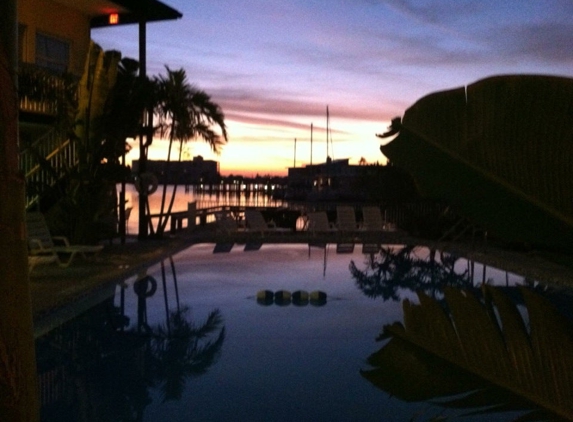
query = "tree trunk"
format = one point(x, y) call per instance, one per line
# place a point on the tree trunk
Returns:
point(18, 382)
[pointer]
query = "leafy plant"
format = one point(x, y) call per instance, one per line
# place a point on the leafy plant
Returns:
point(112, 98)
point(499, 152)
point(86, 190)
point(480, 355)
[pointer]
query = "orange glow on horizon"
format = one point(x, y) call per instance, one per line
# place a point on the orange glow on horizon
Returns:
point(269, 150)
point(113, 18)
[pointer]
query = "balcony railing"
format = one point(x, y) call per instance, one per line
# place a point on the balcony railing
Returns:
point(43, 91)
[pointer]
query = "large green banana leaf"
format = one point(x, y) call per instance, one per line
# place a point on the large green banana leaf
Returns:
point(480, 356)
point(98, 79)
point(500, 151)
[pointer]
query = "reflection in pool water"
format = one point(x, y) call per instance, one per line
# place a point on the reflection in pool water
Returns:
point(189, 341)
point(392, 270)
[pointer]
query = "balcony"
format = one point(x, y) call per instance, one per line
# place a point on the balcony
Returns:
point(45, 96)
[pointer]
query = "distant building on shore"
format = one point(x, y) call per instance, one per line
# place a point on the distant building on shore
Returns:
point(188, 172)
point(332, 180)
point(338, 180)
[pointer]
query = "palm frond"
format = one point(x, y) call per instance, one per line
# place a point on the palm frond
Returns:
point(480, 352)
point(206, 355)
point(181, 351)
point(509, 137)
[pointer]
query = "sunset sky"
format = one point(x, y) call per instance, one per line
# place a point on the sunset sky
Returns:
point(274, 65)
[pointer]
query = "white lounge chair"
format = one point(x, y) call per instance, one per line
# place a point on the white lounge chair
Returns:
point(257, 223)
point(372, 219)
point(225, 222)
point(35, 260)
point(346, 218)
point(42, 244)
point(318, 223)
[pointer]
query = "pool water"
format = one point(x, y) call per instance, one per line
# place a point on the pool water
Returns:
point(188, 340)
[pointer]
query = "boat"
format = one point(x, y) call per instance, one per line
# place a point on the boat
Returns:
point(328, 181)
point(499, 151)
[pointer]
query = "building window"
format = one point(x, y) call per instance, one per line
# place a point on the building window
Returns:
point(52, 53)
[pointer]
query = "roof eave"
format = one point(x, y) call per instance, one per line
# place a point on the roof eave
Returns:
point(156, 11)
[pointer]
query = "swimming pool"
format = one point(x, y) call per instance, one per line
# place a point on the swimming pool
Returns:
point(192, 342)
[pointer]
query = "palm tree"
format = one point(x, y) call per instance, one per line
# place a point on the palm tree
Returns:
point(184, 113)
point(122, 119)
point(394, 269)
point(181, 349)
point(123, 110)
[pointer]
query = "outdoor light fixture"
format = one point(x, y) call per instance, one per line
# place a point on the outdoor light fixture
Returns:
point(113, 18)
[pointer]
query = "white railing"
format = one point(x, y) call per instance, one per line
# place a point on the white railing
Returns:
point(58, 152)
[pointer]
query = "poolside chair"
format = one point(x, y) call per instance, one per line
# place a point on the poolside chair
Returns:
point(318, 223)
point(344, 247)
point(224, 247)
point(346, 218)
point(225, 222)
point(257, 223)
point(36, 260)
point(372, 219)
point(371, 248)
point(252, 246)
point(42, 245)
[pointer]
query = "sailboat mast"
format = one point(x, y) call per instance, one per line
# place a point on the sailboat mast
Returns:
point(327, 121)
point(311, 144)
point(294, 163)
point(327, 160)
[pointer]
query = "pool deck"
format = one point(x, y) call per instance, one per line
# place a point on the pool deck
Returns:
point(53, 289)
